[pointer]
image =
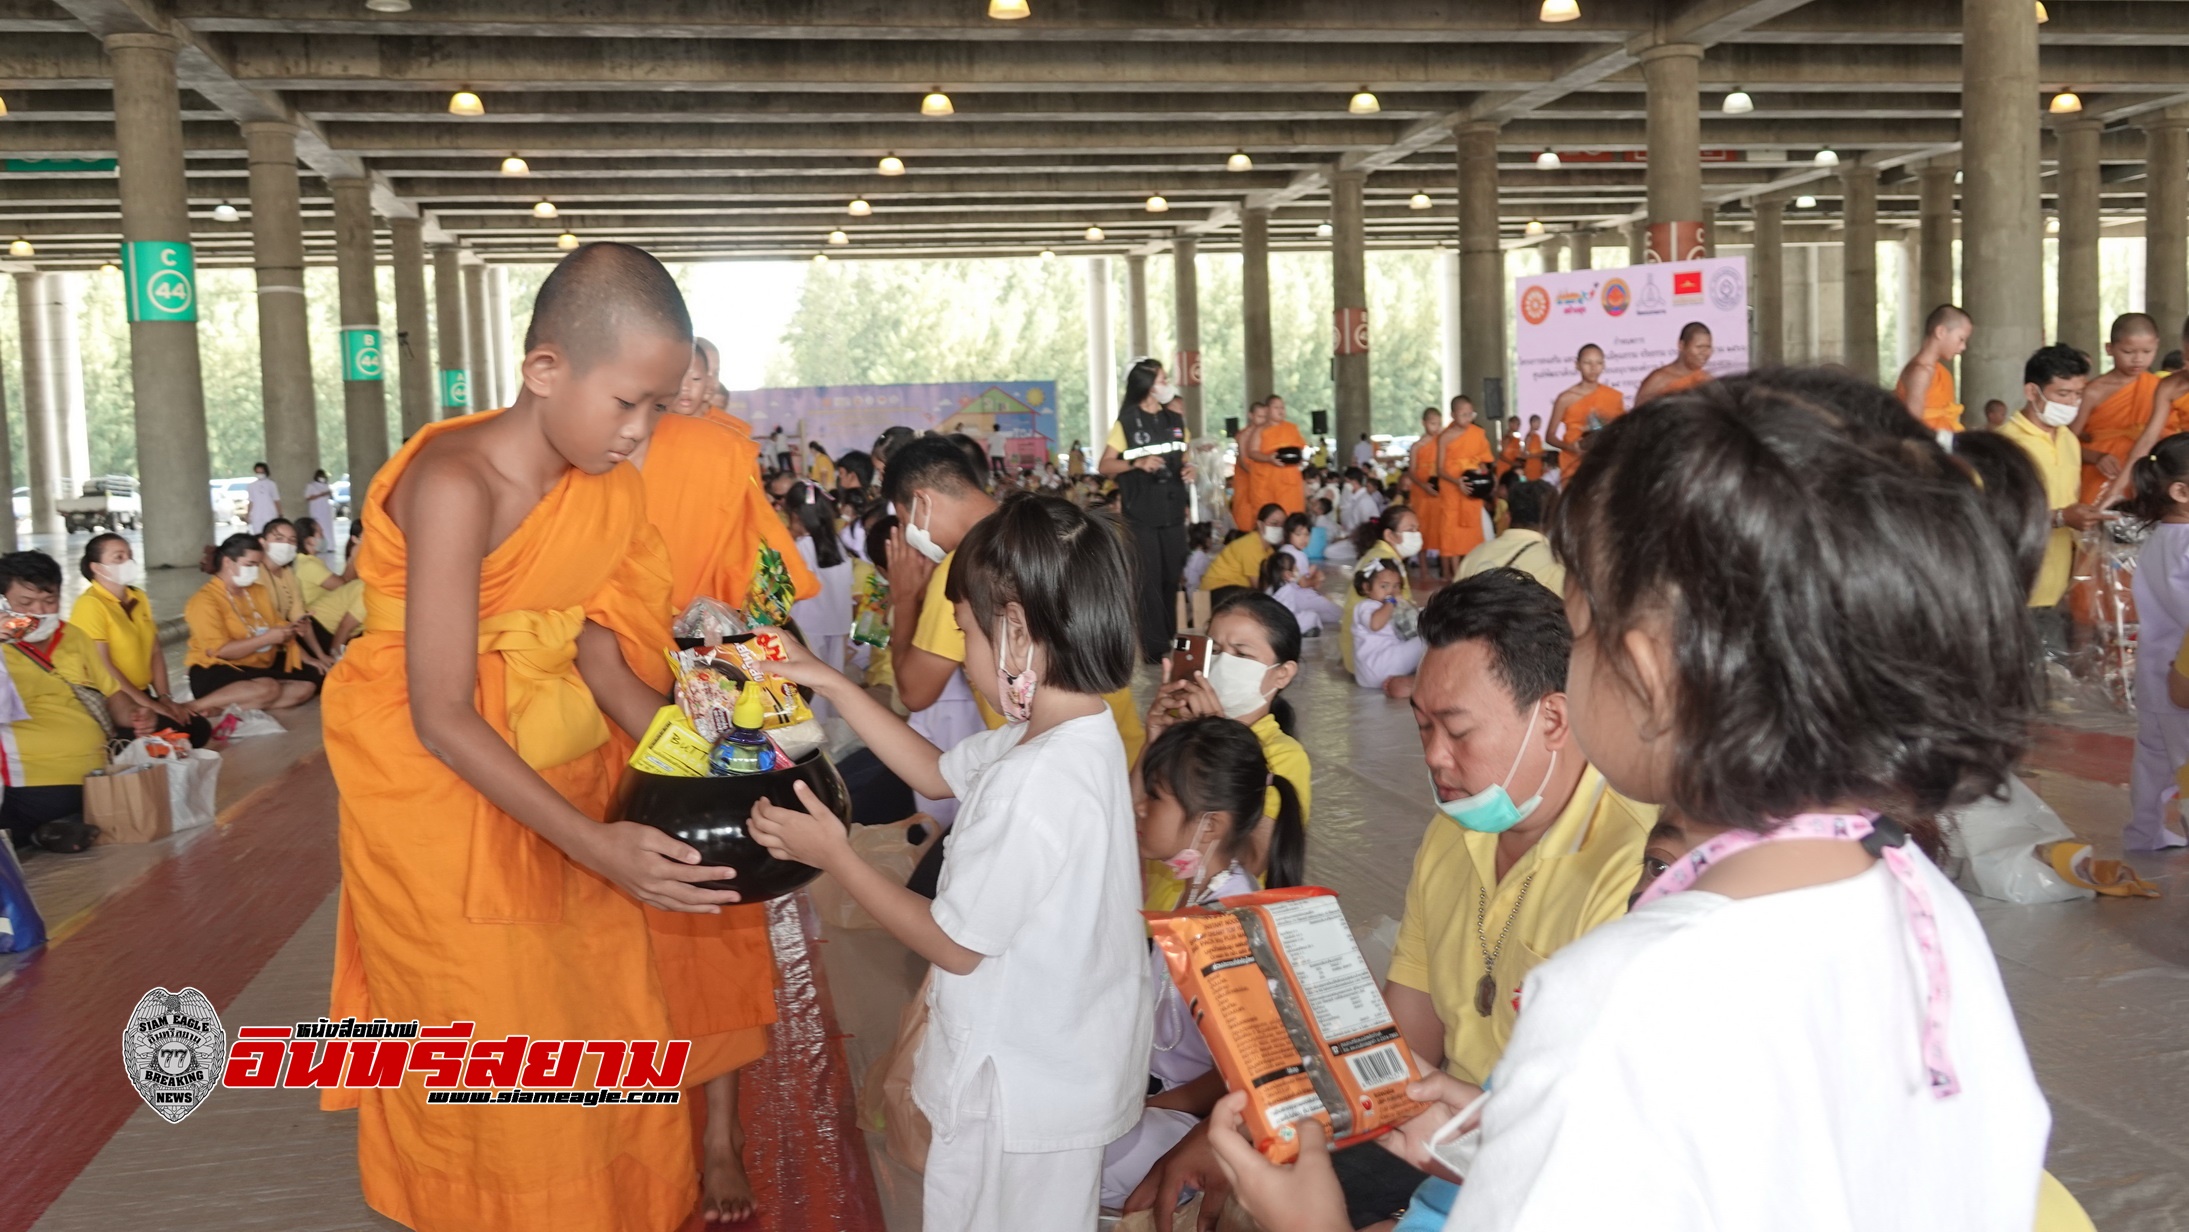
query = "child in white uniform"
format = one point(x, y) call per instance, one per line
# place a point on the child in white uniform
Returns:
point(1384, 648)
point(1037, 1043)
point(1280, 580)
point(2162, 612)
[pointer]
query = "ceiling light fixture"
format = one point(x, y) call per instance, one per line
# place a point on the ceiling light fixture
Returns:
point(1094, 235)
point(544, 209)
point(1325, 231)
point(2052, 225)
point(1364, 103)
point(1555, 11)
point(860, 208)
point(1008, 10)
point(1048, 254)
point(1827, 157)
point(110, 268)
point(225, 212)
point(890, 165)
point(22, 248)
point(937, 103)
point(3, 106)
point(1239, 162)
point(566, 241)
point(1157, 205)
point(1738, 102)
point(388, 6)
point(1547, 160)
point(838, 238)
point(820, 258)
point(1534, 227)
point(2066, 102)
point(514, 165)
point(2042, 16)
point(1419, 201)
point(465, 103)
point(1805, 202)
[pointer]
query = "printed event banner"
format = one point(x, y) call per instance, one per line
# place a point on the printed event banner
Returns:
point(847, 417)
point(1635, 314)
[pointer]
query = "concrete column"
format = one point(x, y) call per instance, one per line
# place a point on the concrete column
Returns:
point(2166, 221)
point(497, 334)
point(167, 384)
point(2077, 295)
point(1481, 266)
point(1553, 251)
point(1101, 358)
point(284, 337)
point(1136, 306)
point(8, 541)
point(64, 300)
point(482, 360)
point(1710, 230)
point(41, 426)
point(2002, 279)
point(365, 399)
point(413, 342)
point(1185, 365)
point(1349, 296)
point(1254, 301)
point(1675, 129)
point(1904, 292)
point(1934, 196)
point(1767, 283)
point(1827, 323)
point(1797, 338)
point(1448, 322)
point(451, 346)
point(1858, 261)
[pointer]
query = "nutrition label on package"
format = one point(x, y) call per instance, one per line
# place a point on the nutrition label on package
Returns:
point(1340, 992)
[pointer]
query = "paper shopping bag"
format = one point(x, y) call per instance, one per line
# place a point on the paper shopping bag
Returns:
point(128, 803)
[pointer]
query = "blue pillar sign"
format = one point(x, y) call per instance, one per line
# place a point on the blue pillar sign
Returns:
point(361, 354)
point(163, 280)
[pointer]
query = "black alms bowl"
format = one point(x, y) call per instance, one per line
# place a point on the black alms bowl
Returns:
point(710, 814)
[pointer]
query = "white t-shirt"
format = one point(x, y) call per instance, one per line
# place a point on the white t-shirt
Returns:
point(1042, 875)
point(1711, 1063)
point(827, 614)
point(1364, 453)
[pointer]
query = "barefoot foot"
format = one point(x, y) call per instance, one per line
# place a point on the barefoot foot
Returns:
point(725, 1192)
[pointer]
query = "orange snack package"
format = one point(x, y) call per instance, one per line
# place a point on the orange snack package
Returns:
point(1292, 1016)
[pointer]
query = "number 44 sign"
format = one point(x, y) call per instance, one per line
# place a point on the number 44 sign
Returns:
point(163, 282)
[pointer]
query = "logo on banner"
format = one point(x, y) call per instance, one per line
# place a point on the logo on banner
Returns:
point(1616, 297)
point(1653, 300)
point(1535, 305)
point(360, 354)
point(1727, 289)
point(173, 1050)
point(1687, 286)
point(1349, 331)
point(162, 280)
point(455, 388)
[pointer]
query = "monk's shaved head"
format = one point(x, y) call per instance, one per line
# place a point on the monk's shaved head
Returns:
point(598, 295)
point(2133, 325)
point(1941, 317)
point(708, 355)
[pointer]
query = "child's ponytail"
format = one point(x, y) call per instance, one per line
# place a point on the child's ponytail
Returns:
point(2166, 465)
point(1276, 569)
point(1287, 838)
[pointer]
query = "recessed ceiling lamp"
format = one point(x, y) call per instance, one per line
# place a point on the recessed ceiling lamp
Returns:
point(514, 165)
point(1738, 102)
point(22, 248)
point(1534, 227)
point(544, 209)
point(110, 268)
point(1827, 157)
point(937, 103)
point(890, 165)
point(838, 238)
point(1325, 231)
point(820, 258)
point(1048, 254)
point(1008, 10)
point(1559, 10)
point(1157, 205)
point(1239, 162)
point(388, 6)
point(566, 241)
point(2052, 225)
point(3, 106)
point(1805, 202)
point(1419, 201)
point(860, 208)
point(1364, 103)
point(2042, 16)
point(1547, 160)
point(2066, 102)
point(1094, 235)
point(225, 212)
point(464, 102)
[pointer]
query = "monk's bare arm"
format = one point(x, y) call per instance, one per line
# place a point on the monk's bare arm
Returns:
point(447, 511)
point(1915, 385)
point(1250, 444)
point(1654, 382)
point(2154, 427)
point(621, 695)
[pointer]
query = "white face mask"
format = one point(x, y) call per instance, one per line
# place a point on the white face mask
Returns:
point(281, 553)
point(1163, 392)
point(916, 536)
point(1273, 535)
point(1409, 544)
point(246, 575)
point(2057, 414)
point(1238, 683)
point(123, 572)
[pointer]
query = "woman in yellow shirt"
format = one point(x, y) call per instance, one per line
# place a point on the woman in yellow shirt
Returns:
point(1240, 563)
point(116, 615)
point(237, 638)
point(281, 551)
point(334, 601)
point(1394, 536)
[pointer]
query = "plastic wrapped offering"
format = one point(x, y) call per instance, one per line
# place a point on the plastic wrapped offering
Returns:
point(708, 621)
point(672, 746)
point(1291, 1015)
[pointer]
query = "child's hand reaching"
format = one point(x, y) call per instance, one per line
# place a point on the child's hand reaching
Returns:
point(814, 837)
point(1299, 1197)
point(801, 666)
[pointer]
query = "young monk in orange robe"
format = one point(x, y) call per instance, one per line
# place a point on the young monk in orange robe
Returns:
point(1534, 452)
point(1280, 484)
point(2120, 409)
point(1465, 447)
point(1421, 471)
point(1687, 369)
point(1572, 409)
point(467, 729)
point(1926, 383)
point(2169, 412)
point(1512, 450)
point(1246, 473)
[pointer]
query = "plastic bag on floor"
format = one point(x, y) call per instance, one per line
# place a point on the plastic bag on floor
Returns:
point(1998, 844)
point(253, 723)
point(885, 1098)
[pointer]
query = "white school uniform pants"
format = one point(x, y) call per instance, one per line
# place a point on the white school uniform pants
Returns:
point(974, 1185)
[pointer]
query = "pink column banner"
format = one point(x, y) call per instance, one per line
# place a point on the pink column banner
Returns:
point(1634, 314)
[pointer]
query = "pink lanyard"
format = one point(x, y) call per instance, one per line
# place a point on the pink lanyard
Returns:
point(1884, 840)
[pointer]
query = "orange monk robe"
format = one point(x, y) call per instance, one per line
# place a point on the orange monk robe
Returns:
point(1462, 513)
point(1941, 412)
point(1509, 453)
point(1280, 484)
point(1246, 485)
point(1428, 506)
point(1535, 455)
point(452, 911)
point(1690, 381)
point(2177, 417)
point(1603, 402)
point(2114, 425)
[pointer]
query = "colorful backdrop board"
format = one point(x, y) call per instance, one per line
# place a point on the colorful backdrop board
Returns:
point(1635, 314)
point(846, 417)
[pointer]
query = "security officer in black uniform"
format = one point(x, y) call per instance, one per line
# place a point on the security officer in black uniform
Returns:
point(1146, 454)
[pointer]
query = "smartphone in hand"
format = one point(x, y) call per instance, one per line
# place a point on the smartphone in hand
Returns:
point(1189, 654)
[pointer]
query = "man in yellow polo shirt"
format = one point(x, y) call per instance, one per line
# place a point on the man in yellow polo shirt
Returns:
point(2052, 389)
point(60, 741)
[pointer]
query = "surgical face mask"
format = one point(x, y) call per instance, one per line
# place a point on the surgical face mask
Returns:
point(246, 575)
point(916, 536)
point(2057, 414)
point(1409, 544)
point(1273, 535)
point(1014, 690)
point(1491, 810)
point(1191, 865)
point(1163, 392)
point(1238, 683)
point(123, 572)
point(281, 553)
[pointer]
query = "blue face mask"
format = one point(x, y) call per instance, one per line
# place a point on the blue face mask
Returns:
point(1491, 810)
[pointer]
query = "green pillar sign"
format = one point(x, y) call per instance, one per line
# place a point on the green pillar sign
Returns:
point(455, 388)
point(361, 353)
point(163, 281)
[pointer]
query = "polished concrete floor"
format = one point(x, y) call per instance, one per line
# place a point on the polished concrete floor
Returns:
point(2102, 990)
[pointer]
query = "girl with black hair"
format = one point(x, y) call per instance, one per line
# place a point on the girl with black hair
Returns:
point(1394, 537)
point(1280, 580)
point(2161, 503)
point(1386, 648)
point(1201, 788)
point(824, 619)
